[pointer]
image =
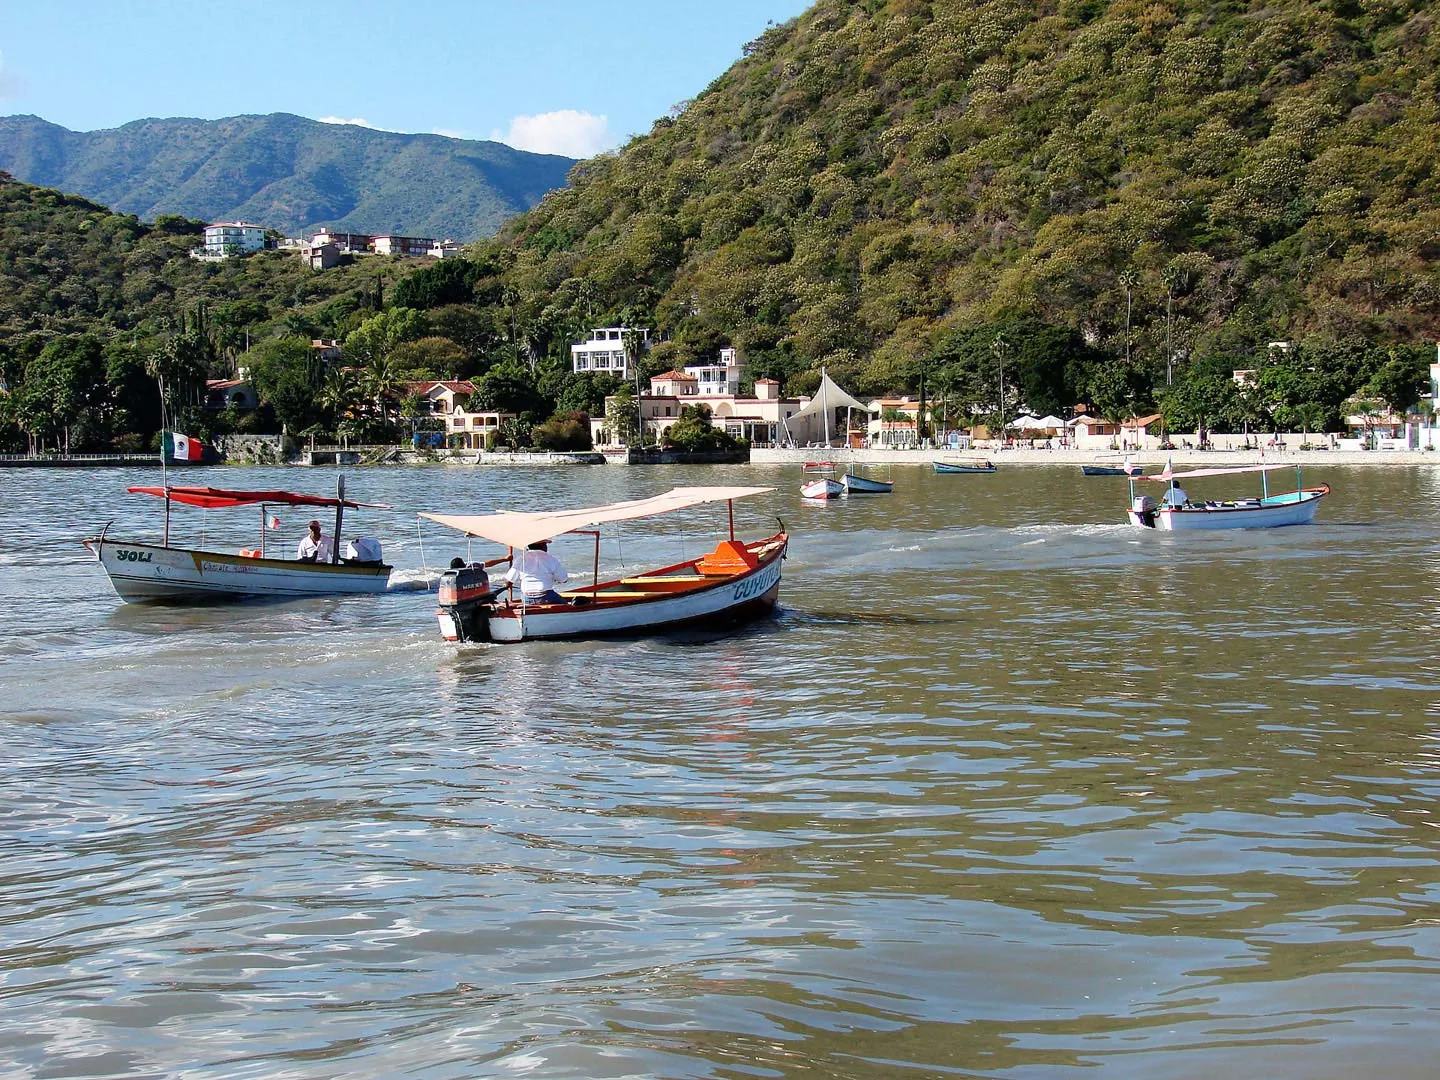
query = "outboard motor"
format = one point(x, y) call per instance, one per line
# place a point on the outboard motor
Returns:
point(1144, 509)
point(464, 612)
point(363, 551)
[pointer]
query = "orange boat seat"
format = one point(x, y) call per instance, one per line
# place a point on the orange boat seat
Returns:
point(729, 557)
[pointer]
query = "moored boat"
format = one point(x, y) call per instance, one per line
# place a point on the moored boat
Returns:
point(146, 571)
point(1125, 468)
point(824, 487)
point(943, 466)
point(735, 582)
point(855, 484)
point(1177, 512)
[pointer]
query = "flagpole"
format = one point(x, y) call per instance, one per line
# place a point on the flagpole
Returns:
point(164, 475)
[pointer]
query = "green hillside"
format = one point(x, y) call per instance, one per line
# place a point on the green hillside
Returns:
point(286, 172)
point(879, 184)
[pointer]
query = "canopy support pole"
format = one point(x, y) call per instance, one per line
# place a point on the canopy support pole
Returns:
point(339, 519)
point(731, 504)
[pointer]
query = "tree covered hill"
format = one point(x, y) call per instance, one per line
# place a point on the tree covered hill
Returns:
point(877, 181)
point(286, 172)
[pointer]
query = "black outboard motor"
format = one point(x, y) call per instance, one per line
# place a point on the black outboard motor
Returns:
point(1145, 510)
point(465, 597)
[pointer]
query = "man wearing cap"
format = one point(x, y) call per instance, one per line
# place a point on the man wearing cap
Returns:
point(537, 572)
point(315, 546)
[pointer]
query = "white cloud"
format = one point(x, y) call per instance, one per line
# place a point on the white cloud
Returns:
point(10, 84)
point(566, 131)
point(358, 121)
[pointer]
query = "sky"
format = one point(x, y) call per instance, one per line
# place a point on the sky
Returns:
point(572, 77)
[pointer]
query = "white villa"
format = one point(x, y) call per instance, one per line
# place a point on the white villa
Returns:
point(226, 238)
point(604, 350)
point(465, 428)
point(764, 419)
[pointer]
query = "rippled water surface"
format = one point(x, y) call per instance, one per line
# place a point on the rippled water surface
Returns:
point(1007, 789)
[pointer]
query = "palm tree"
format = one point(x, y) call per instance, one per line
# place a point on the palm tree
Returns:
point(339, 394)
point(1128, 280)
point(380, 381)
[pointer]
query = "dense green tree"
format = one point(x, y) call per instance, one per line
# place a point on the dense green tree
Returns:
point(289, 378)
point(563, 431)
point(694, 433)
point(510, 387)
point(450, 281)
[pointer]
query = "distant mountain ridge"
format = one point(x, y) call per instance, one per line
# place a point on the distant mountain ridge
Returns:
point(287, 172)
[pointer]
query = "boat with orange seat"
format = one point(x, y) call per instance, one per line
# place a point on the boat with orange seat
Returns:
point(735, 582)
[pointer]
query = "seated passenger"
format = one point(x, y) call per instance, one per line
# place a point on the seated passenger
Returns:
point(537, 572)
point(1176, 496)
point(315, 546)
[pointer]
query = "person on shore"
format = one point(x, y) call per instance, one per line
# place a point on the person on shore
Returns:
point(315, 546)
point(537, 572)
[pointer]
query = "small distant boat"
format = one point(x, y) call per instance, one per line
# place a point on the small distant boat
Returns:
point(818, 467)
point(1125, 468)
point(963, 466)
point(823, 487)
point(855, 482)
point(865, 485)
point(143, 571)
point(736, 581)
point(1176, 512)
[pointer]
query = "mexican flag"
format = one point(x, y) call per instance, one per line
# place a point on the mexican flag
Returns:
point(182, 447)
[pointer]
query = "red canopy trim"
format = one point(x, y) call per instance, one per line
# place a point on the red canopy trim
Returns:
point(218, 498)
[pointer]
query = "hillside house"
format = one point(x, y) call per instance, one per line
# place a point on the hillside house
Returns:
point(604, 350)
point(763, 419)
point(226, 238)
point(465, 428)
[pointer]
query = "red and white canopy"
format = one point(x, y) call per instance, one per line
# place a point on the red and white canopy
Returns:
point(221, 498)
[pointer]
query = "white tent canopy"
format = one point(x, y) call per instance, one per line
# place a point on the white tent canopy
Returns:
point(830, 396)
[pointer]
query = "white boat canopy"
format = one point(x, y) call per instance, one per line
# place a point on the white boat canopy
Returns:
point(517, 530)
point(1167, 475)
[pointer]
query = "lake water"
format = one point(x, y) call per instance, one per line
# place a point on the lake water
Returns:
point(1007, 789)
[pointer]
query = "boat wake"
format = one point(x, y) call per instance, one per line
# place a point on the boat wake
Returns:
point(413, 580)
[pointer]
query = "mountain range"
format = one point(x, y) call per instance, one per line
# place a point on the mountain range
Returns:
point(286, 172)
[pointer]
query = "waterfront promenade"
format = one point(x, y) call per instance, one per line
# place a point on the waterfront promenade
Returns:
point(1147, 459)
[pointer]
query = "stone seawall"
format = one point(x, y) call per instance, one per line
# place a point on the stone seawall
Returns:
point(1148, 459)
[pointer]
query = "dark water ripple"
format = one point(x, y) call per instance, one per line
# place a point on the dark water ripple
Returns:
point(1005, 790)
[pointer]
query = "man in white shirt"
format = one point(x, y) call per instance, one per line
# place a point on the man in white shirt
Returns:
point(315, 546)
point(537, 572)
point(1176, 495)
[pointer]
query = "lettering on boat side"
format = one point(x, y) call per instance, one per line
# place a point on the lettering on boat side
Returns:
point(755, 586)
point(133, 556)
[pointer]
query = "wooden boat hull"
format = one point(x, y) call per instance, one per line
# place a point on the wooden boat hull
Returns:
point(864, 485)
point(650, 603)
point(1275, 511)
point(958, 467)
point(824, 488)
point(141, 572)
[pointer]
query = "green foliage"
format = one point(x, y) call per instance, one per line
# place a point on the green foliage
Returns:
point(563, 431)
point(289, 377)
point(694, 433)
point(450, 281)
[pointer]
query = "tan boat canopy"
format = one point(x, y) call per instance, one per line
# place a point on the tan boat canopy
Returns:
point(1229, 470)
point(517, 530)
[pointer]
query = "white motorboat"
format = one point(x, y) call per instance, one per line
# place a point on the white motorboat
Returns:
point(146, 571)
point(734, 582)
point(1177, 512)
